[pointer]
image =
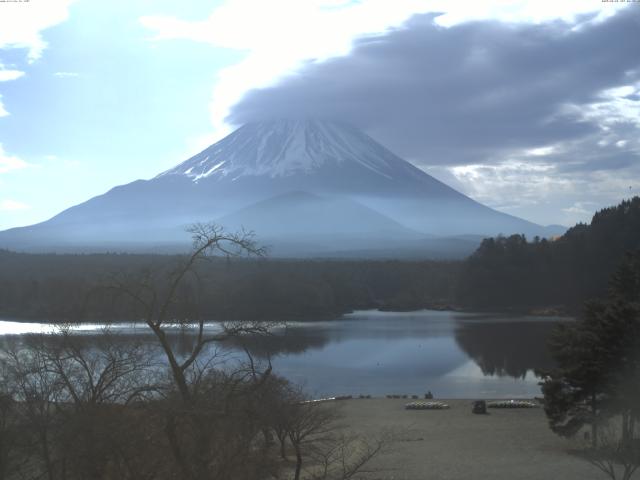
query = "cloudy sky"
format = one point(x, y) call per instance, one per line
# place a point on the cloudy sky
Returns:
point(532, 108)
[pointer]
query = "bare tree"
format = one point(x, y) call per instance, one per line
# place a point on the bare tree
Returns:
point(617, 453)
point(157, 297)
point(347, 455)
point(11, 462)
point(324, 449)
point(109, 370)
point(70, 398)
point(202, 409)
point(276, 409)
point(37, 392)
point(309, 423)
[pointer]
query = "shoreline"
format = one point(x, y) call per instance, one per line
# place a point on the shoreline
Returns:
point(551, 312)
point(546, 311)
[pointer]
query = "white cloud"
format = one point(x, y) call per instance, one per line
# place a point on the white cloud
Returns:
point(581, 208)
point(280, 35)
point(538, 11)
point(9, 205)
point(21, 23)
point(8, 74)
point(9, 163)
point(541, 151)
point(3, 111)
point(501, 183)
point(615, 106)
point(66, 74)
point(542, 191)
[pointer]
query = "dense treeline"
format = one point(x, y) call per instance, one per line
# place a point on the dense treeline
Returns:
point(509, 272)
point(72, 287)
point(504, 273)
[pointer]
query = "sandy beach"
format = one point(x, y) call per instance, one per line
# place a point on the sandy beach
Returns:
point(456, 444)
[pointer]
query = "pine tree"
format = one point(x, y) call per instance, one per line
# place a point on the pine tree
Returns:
point(598, 361)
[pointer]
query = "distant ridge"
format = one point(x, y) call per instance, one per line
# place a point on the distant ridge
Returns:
point(288, 180)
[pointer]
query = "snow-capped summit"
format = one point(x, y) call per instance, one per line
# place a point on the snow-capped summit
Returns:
point(282, 148)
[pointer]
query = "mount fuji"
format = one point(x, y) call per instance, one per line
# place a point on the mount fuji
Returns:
point(306, 187)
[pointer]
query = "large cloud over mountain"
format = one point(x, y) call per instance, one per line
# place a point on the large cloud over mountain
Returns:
point(465, 93)
point(522, 116)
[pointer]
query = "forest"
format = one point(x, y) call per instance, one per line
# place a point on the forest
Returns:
point(75, 287)
point(513, 273)
point(505, 273)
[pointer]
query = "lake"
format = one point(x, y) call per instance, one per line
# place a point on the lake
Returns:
point(451, 354)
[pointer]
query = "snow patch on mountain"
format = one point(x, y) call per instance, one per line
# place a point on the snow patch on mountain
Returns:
point(289, 147)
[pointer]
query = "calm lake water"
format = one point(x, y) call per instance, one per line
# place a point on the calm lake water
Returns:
point(454, 355)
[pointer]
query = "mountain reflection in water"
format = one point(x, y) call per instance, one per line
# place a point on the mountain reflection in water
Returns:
point(369, 352)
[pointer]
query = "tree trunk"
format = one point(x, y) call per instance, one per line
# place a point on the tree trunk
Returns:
point(268, 437)
point(625, 429)
point(594, 424)
point(174, 443)
point(283, 453)
point(176, 371)
point(282, 438)
point(4, 459)
point(46, 455)
point(298, 461)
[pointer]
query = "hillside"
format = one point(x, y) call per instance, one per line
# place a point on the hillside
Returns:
point(511, 272)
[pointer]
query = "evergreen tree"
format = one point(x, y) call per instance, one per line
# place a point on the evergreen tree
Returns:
point(598, 361)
